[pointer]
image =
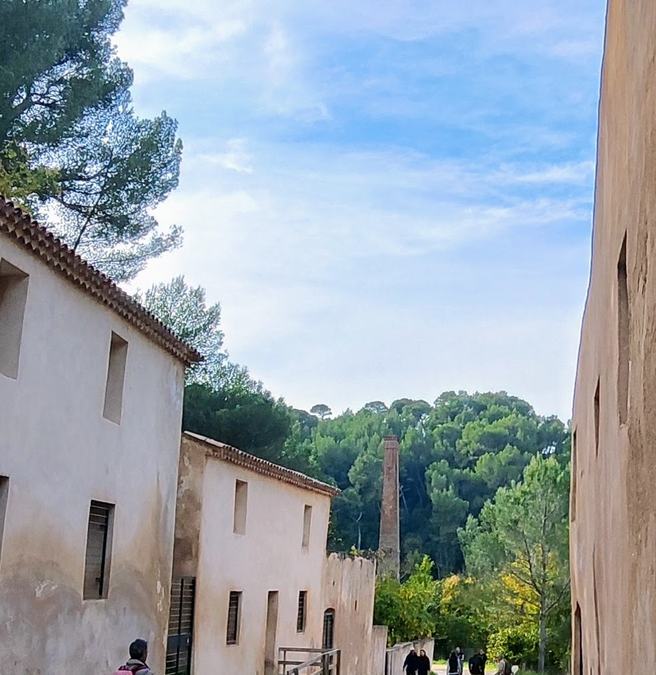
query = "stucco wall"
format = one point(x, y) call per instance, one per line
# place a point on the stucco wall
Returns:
point(613, 511)
point(349, 588)
point(268, 557)
point(59, 454)
point(378, 649)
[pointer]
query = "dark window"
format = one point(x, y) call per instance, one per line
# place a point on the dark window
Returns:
point(578, 642)
point(302, 610)
point(234, 618)
point(4, 498)
point(118, 353)
point(623, 341)
point(596, 417)
point(98, 554)
point(241, 507)
point(13, 298)
point(307, 525)
point(329, 629)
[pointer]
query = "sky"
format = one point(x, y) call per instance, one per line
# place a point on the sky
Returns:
point(389, 198)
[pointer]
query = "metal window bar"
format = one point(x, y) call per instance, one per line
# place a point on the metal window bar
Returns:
point(95, 577)
point(234, 603)
point(320, 661)
point(300, 616)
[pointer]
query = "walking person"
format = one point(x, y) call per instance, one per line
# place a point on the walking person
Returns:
point(136, 664)
point(453, 664)
point(477, 663)
point(461, 660)
point(503, 666)
point(411, 663)
point(423, 664)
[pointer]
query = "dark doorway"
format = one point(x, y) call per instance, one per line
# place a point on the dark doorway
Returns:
point(270, 666)
point(578, 643)
point(181, 626)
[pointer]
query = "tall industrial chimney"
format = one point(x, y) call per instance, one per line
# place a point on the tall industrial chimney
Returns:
point(389, 544)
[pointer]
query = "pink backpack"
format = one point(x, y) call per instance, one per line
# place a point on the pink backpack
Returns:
point(130, 669)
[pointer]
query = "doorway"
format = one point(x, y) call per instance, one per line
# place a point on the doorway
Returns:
point(270, 666)
point(181, 626)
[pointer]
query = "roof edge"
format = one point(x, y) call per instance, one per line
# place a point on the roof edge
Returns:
point(20, 227)
point(228, 453)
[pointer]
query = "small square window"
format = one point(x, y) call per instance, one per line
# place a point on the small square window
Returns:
point(241, 507)
point(13, 298)
point(118, 353)
point(307, 525)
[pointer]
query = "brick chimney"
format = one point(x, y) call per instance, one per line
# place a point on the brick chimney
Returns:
point(389, 544)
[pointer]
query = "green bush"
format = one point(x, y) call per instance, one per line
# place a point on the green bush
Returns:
point(519, 644)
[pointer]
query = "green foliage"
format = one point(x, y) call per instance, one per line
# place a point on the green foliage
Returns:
point(408, 608)
point(71, 147)
point(517, 643)
point(520, 543)
point(185, 311)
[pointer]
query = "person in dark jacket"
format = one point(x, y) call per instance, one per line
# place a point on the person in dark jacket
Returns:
point(411, 663)
point(477, 663)
point(453, 663)
point(423, 663)
point(137, 662)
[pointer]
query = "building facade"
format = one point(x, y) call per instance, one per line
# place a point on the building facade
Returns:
point(613, 511)
point(250, 548)
point(91, 392)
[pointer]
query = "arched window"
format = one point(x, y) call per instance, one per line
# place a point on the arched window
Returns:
point(329, 629)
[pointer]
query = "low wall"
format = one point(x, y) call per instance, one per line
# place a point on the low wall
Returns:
point(378, 650)
point(396, 654)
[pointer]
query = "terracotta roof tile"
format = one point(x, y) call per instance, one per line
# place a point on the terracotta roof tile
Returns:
point(23, 230)
point(227, 453)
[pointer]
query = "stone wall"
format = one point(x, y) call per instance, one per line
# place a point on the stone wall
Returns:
point(613, 511)
point(396, 655)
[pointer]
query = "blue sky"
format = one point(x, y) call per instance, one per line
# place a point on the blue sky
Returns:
point(389, 199)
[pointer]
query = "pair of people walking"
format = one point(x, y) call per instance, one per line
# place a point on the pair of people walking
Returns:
point(417, 664)
point(455, 662)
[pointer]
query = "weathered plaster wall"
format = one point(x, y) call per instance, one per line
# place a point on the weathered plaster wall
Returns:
point(349, 588)
point(268, 557)
point(613, 511)
point(60, 453)
point(378, 649)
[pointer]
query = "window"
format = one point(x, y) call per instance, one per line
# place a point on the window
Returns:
point(623, 341)
point(302, 611)
point(118, 352)
point(13, 297)
point(596, 418)
point(328, 641)
point(241, 507)
point(307, 525)
point(578, 643)
point(98, 554)
point(4, 498)
point(234, 618)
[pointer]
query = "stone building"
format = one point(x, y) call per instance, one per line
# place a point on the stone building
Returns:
point(90, 410)
point(250, 547)
point(613, 511)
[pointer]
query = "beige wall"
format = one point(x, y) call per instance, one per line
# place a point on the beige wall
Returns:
point(613, 510)
point(60, 453)
point(397, 654)
point(349, 588)
point(268, 557)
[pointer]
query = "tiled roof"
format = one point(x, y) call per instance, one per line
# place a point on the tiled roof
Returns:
point(245, 460)
point(24, 231)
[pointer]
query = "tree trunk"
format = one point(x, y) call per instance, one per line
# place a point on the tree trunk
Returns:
point(542, 649)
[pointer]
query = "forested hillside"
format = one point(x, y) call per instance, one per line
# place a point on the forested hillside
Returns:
point(455, 454)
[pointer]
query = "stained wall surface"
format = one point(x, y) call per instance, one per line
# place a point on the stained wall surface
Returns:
point(349, 588)
point(59, 453)
point(613, 510)
point(268, 556)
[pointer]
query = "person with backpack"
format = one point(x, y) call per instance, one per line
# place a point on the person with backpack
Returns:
point(137, 662)
point(504, 667)
point(477, 663)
